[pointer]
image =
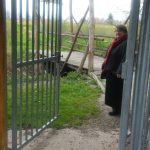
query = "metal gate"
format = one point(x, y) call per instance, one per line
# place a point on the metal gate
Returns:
point(135, 117)
point(36, 40)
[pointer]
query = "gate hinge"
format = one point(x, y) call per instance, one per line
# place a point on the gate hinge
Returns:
point(124, 70)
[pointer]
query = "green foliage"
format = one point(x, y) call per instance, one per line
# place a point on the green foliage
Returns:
point(110, 19)
point(78, 101)
point(81, 44)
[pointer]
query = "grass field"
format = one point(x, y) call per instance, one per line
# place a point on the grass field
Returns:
point(100, 29)
point(78, 103)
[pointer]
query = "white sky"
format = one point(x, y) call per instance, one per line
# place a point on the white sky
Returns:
point(118, 8)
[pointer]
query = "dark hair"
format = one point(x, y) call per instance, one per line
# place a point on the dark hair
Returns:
point(122, 28)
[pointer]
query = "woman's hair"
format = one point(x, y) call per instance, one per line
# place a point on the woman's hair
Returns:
point(122, 28)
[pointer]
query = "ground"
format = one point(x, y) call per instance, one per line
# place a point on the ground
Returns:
point(99, 134)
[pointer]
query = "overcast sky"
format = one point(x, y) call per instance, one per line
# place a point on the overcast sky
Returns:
point(119, 8)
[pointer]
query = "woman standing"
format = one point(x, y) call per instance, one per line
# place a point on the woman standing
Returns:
point(111, 70)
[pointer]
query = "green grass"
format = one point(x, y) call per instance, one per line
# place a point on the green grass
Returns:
point(78, 103)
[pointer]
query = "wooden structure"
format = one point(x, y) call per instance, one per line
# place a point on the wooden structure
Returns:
point(3, 130)
point(90, 45)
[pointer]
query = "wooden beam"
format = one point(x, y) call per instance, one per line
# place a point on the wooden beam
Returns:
point(91, 36)
point(75, 39)
point(3, 128)
point(76, 23)
point(99, 83)
point(83, 59)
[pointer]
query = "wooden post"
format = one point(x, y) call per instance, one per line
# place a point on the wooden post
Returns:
point(3, 128)
point(91, 36)
point(71, 18)
point(75, 39)
point(83, 59)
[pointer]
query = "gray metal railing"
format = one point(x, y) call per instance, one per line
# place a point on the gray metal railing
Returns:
point(136, 94)
point(35, 68)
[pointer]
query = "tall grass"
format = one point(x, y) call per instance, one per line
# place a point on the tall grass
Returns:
point(100, 29)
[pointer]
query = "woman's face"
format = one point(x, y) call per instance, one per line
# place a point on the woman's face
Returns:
point(119, 34)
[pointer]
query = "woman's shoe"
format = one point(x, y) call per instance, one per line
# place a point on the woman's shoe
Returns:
point(114, 113)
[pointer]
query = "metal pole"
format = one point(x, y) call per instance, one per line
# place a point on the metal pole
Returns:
point(14, 72)
point(3, 129)
point(141, 83)
point(128, 73)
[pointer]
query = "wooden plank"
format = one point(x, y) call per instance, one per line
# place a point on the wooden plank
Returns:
point(76, 57)
point(85, 36)
point(3, 129)
point(83, 59)
point(99, 83)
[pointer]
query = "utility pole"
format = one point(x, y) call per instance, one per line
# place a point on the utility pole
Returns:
point(3, 128)
point(91, 36)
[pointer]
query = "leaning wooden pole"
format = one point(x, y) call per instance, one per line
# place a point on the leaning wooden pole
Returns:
point(75, 39)
point(3, 129)
point(91, 36)
point(83, 59)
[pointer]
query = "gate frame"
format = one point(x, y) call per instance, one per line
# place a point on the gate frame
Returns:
point(3, 129)
point(15, 65)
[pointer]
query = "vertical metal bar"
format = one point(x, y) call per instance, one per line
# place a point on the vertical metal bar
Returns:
point(51, 63)
point(58, 56)
point(50, 88)
point(47, 66)
point(147, 115)
point(55, 63)
point(14, 73)
point(33, 38)
point(142, 39)
point(148, 134)
point(52, 29)
point(3, 127)
point(21, 49)
point(60, 25)
point(43, 55)
point(140, 95)
point(27, 67)
point(38, 48)
point(56, 25)
point(133, 26)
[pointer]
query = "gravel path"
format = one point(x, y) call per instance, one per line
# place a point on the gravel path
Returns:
point(99, 134)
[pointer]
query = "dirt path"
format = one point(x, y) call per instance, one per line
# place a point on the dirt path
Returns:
point(99, 134)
